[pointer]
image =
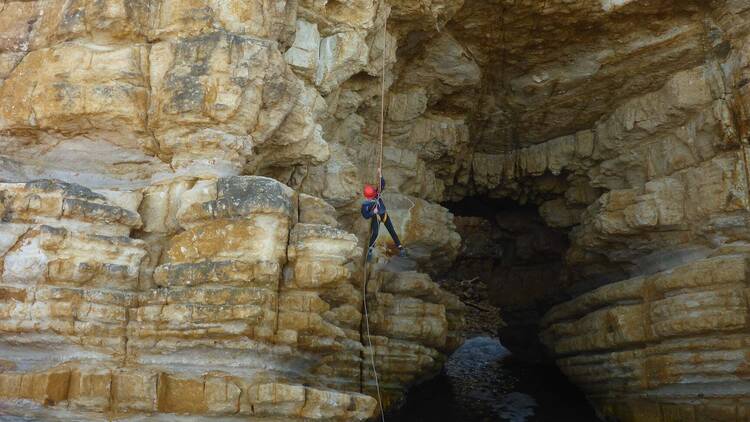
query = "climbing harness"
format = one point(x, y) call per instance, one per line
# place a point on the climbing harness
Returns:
point(364, 267)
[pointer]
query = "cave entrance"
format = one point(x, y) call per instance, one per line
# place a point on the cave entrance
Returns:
point(509, 272)
point(509, 259)
point(482, 381)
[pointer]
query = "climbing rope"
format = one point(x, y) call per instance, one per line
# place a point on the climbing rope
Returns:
point(369, 339)
point(382, 99)
point(367, 246)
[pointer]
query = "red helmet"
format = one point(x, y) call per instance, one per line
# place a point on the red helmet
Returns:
point(370, 192)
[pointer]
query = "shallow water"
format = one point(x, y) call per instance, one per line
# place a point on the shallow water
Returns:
point(483, 382)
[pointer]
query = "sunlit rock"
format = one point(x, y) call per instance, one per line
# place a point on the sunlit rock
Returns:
point(181, 184)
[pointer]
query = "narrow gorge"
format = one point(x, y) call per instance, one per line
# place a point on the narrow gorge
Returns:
point(181, 181)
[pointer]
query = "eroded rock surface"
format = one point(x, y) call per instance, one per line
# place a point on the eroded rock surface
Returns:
point(653, 192)
point(180, 182)
point(237, 301)
point(644, 348)
point(143, 271)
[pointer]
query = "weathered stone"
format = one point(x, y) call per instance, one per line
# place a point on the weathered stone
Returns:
point(51, 90)
point(426, 229)
point(161, 279)
point(341, 56)
point(236, 278)
point(656, 331)
point(196, 285)
point(313, 210)
point(303, 55)
point(444, 67)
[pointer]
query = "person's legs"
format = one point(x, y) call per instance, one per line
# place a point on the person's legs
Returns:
point(374, 227)
point(389, 225)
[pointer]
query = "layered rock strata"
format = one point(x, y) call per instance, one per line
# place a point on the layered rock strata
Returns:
point(239, 302)
point(654, 195)
point(670, 346)
point(142, 273)
point(142, 247)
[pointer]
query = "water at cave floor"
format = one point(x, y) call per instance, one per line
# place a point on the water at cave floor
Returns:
point(482, 381)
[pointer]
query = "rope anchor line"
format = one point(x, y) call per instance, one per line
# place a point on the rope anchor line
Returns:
point(369, 340)
point(366, 315)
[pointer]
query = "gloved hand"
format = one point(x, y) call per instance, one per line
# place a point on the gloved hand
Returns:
point(375, 209)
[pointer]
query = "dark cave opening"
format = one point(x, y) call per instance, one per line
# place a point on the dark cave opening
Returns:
point(519, 258)
point(502, 372)
point(482, 381)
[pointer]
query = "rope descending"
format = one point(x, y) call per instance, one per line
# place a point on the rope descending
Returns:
point(369, 341)
point(364, 268)
point(382, 99)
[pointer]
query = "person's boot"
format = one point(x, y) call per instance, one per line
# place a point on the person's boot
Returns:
point(401, 251)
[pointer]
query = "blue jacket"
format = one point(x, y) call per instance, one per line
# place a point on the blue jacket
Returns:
point(368, 205)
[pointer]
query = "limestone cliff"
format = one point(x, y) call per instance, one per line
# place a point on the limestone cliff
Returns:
point(632, 138)
point(234, 298)
point(180, 182)
point(148, 266)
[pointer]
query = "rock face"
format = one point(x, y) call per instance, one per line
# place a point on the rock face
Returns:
point(651, 184)
point(643, 348)
point(148, 265)
point(179, 185)
point(237, 300)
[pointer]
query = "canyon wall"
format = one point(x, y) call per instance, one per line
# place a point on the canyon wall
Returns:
point(653, 193)
point(176, 208)
point(180, 183)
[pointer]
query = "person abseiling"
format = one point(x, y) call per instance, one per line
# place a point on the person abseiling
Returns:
point(373, 208)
